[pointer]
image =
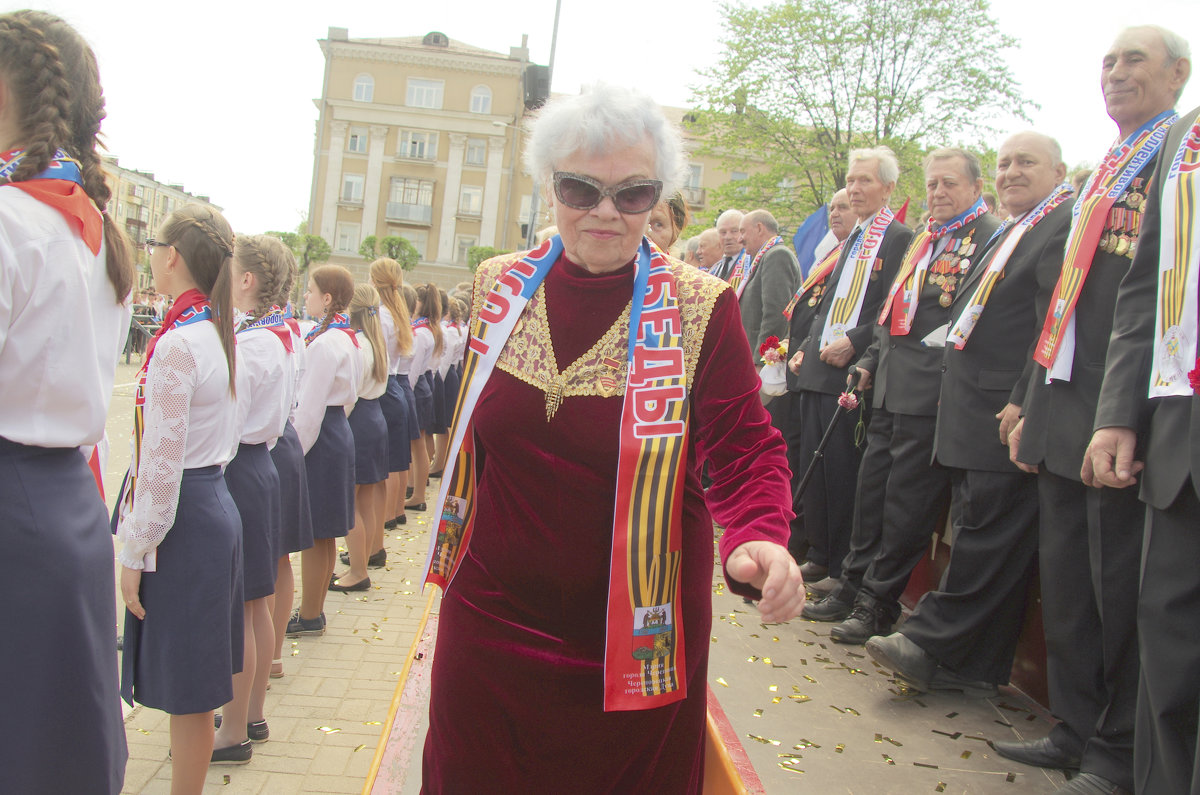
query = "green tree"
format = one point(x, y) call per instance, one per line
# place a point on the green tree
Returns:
point(802, 82)
point(391, 247)
point(477, 254)
point(308, 248)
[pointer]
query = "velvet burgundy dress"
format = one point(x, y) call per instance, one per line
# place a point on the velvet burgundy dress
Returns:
point(517, 685)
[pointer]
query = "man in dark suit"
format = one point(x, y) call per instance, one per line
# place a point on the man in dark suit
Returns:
point(841, 329)
point(901, 492)
point(799, 312)
point(1090, 540)
point(771, 282)
point(963, 635)
point(1149, 409)
point(729, 230)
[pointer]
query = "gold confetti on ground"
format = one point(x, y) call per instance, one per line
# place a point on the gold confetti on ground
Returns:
point(773, 688)
point(965, 755)
point(225, 779)
point(809, 678)
point(941, 787)
point(372, 723)
point(800, 699)
point(786, 766)
point(766, 660)
point(758, 713)
point(839, 747)
point(721, 681)
point(888, 759)
point(762, 740)
point(923, 764)
point(777, 699)
point(804, 743)
point(1011, 777)
point(359, 747)
point(143, 731)
point(328, 729)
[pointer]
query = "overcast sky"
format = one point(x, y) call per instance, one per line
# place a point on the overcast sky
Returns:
point(219, 95)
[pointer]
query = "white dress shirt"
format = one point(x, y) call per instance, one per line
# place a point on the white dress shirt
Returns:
point(369, 387)
point(450, 343)
point(422, 354)
point(332, 371)
point(61, 328)
point(190, 422)
point(265, 383)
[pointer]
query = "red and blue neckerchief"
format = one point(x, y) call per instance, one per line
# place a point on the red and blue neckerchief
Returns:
point(60, 186)
point(273, 322)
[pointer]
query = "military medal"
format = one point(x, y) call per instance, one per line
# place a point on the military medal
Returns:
point(1122, 246)
point(945, 299)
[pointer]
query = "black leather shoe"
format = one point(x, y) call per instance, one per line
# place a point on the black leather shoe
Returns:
point(1039, 753)
point(362, 585)
point(813, 571)
point(827, 609)
point(1092, 784)
point(863, 624)
point(945, 679)
point(911, 664)
point(257, 730)
point(376, 561)
point(233, 755)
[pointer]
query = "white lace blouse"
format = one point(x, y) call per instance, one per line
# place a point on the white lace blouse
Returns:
point(190, 422)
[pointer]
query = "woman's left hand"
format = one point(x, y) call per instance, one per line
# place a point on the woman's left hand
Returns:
point(770, 568)
point(131, 586)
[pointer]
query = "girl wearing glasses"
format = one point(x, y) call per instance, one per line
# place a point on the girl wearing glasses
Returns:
point(574, 541)
point(333, 371)
point(181, 556)
point(261, 267)
point(69, 270)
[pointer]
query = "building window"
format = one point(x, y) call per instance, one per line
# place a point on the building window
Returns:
point(352, 188)
point(481, 99)
point(410, 200)
point(738, 176)
point(424, 93)
point(692, 192)
point(418, 237)
point(364, 88)
point(357, 142)
point(476, 152)
point(695, 175)
point(347, 238)
point(418, 145)
point(470, 201)
point(462, 245)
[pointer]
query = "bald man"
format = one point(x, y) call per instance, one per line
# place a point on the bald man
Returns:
point(767, 281)
point(709, 249)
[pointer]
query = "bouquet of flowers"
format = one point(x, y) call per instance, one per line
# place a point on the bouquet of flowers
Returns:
point(774, 358)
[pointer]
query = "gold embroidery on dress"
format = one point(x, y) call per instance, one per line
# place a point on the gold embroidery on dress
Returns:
point(602, 370)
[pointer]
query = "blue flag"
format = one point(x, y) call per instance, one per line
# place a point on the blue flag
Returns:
point(810, 233)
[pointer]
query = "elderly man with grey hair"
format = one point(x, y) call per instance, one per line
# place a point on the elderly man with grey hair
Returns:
point(1090, 543)
point(730, 233)
point(708, 249)
point(844, 308)
point(767, 281)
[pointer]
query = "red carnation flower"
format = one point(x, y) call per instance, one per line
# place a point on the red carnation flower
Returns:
point(769, 343)
point(1194, 377)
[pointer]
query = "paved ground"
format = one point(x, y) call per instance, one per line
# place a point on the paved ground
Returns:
point(811, 714)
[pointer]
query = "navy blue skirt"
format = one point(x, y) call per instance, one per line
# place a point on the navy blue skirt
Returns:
point(182, 656)
point(329, 468)
point(440, 419)
point(60, 660)
point(254, 485)
point(414, 425)
point(295, 531)
point(423, 392)
point(452, 381)
point(370, 442)
point(396, 414)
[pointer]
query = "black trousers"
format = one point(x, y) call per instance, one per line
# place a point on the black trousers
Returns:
point(1166, 752)
point(971, 623)
point(828, 501)
point(1090, 545)
point(788, 410)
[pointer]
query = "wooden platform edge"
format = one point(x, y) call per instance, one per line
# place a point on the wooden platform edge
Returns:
point(727, 767)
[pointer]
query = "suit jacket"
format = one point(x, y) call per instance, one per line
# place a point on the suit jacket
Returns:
point(994, 367)
point(1172, 444)
point(768, 291)
point(907, 374)
point(817, 376)
point(724, 268)
point(1059, 416)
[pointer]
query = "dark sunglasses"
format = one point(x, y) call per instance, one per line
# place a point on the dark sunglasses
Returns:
point(583, 193)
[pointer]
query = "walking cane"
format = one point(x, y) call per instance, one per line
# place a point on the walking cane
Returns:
point(846, 403)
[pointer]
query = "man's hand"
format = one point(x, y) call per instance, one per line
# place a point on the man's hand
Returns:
point(864, 380)
point(838, 353)
point(1014, 446)
point(770, 568)
point(794, 362)
point(1009, 416)
point(1108, 460)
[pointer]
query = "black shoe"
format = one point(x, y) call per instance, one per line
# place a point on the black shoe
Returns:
point(437, 474)
point(1092, 784)
point(1039, 753)
point(362, 585)
point(298, 626)
point(233, 755)
point(408, 492)
point(256, 731)
point(827, 609)
point(813, 571)
point(863, 624)
point(945, 679)
point(911, 664)
point(401, 519)
point(419, 508)
point(376, 561)
point(390, 524)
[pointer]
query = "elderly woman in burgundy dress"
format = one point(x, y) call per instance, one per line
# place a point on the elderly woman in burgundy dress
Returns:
point(575, 544)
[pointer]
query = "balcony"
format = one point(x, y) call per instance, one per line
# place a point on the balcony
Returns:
point(693, 196)
point(410, 213)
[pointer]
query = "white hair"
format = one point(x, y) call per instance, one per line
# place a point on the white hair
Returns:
point(731, 213)
point(1176, 46)
point(597, 119)
point(889, 167)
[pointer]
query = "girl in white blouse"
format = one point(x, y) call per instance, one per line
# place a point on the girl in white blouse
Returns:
point(261, 265)
point(333, 370)
point(181, 555)
point(398, 403)
point(66, 272)
point(427, 350)
point(370, 441)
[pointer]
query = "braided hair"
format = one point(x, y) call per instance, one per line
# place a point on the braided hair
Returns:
point(52, 75)
point(204, 240)
point(338, 283)
point(273, 266)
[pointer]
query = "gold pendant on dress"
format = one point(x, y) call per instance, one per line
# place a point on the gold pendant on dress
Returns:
point(554, 397)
